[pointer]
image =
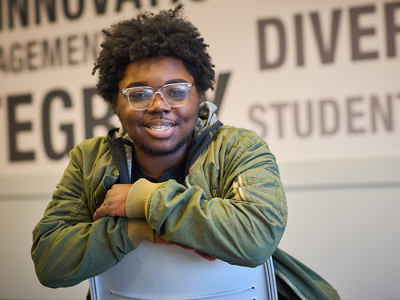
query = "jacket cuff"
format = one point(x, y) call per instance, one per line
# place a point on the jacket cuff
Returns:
point(137, 198)
point(138, 231)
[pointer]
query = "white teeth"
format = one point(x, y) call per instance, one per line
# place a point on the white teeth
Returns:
point(160, 128)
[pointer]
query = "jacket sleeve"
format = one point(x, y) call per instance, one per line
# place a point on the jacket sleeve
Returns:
point(244, 224)
point(68, 247)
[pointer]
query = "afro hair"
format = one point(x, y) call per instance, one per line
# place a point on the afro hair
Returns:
point(165, 33)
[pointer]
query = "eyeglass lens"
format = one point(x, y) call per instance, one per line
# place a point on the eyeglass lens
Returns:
point(174, 94)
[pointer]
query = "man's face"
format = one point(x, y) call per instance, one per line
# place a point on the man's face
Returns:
point(159, 130)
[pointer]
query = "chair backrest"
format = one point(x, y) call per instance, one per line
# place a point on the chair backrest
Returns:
point(169, 272)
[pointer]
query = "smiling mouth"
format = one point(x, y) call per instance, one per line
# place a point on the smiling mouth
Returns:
point(160, 128)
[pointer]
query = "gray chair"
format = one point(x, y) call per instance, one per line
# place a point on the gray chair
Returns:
point(159, 272)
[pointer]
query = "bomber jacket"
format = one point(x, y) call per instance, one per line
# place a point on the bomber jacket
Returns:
point(232, 207)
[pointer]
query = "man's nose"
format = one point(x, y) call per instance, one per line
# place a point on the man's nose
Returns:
point(158, 104)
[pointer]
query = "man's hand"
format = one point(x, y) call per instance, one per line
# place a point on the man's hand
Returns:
point(159, 240)
point(115, 202)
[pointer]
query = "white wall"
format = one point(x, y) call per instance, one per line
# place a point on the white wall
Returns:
point(17, 276)
point(343, 223)
point(343, 188)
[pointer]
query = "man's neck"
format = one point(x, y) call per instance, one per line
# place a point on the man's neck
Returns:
point(155, 166)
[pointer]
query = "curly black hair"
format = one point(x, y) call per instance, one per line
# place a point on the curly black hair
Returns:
point(165, 33)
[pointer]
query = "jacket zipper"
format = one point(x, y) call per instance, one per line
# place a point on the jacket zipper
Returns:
point(291, 285)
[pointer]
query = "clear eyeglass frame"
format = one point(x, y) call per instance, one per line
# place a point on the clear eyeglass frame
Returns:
point(159, 90)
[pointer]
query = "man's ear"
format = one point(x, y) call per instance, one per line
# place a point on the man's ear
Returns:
point(114, 105)
point(201, 97)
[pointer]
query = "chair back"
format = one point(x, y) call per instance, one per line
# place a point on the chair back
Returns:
point(159, 272)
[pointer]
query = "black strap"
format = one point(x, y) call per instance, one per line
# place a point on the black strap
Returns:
point(117, 148)
point(200, 144)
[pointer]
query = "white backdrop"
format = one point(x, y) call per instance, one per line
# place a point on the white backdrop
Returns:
point(318, 80)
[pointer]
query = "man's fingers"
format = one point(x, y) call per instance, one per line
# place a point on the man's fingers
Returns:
point(114, 203)
point(205, 256)
point(104, 211)
point(109, 208)
point(95, 216)
point(185, 247)
point(98, 214)
point(159, 240)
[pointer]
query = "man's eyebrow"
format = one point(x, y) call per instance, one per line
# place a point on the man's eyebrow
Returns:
point(135, 84)
point(142, 83)
point(177, 80)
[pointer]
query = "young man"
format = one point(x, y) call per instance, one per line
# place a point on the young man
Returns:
point(171, 174)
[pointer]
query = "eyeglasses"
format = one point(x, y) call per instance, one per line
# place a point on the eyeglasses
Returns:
point(141, 97)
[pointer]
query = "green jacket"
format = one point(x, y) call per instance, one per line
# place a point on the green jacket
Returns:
point(232, 207)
